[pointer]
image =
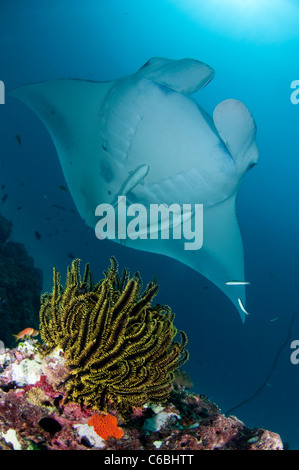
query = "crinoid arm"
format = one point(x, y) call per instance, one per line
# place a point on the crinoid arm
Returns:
point(120, 349)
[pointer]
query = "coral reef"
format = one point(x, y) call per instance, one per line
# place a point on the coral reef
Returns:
point(36, 416)
point(118, 346)
point(107, 376)
point(20, 286)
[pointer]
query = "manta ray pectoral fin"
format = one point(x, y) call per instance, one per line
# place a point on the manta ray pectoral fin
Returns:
point(184, 76)
point(70, 111)
point(66, 106)
point(222, 258)
point(237, 129)
point(223, 242)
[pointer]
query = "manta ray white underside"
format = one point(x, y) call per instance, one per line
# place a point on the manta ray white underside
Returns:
point(112, 136)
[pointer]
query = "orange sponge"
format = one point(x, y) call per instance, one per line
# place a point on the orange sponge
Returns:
point(106, 426)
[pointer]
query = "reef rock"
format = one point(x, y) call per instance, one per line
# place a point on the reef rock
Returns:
point(20, 286)
point(38, 416)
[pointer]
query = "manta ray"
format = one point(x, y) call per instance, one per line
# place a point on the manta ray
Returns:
point(145, 137)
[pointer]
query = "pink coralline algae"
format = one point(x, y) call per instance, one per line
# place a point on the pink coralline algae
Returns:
point(38, 416)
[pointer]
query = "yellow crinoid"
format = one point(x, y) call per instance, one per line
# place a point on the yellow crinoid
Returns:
point(119, 348)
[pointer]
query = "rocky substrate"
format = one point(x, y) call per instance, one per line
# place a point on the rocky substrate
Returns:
point(34, 414)
point(20, 286)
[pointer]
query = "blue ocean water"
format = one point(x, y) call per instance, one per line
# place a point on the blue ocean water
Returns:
point(253, 47)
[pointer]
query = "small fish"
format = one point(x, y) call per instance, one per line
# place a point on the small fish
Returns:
point(63, 188)
point(135, 177)
point(183, 378)
point(242, 307)
point(19, 208)
point(37, 235)
point(71, 256)
point(19, 139)
point(155, 279)
point(274, 319)
point(252, 440)
point(4, 198)
point(45, 196)
point(26, 332)
point(3, 186)
point(57, 206)
point(237, 283)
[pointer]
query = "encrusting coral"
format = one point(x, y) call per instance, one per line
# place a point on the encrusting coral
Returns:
point(119, 348)
point(106, 426)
